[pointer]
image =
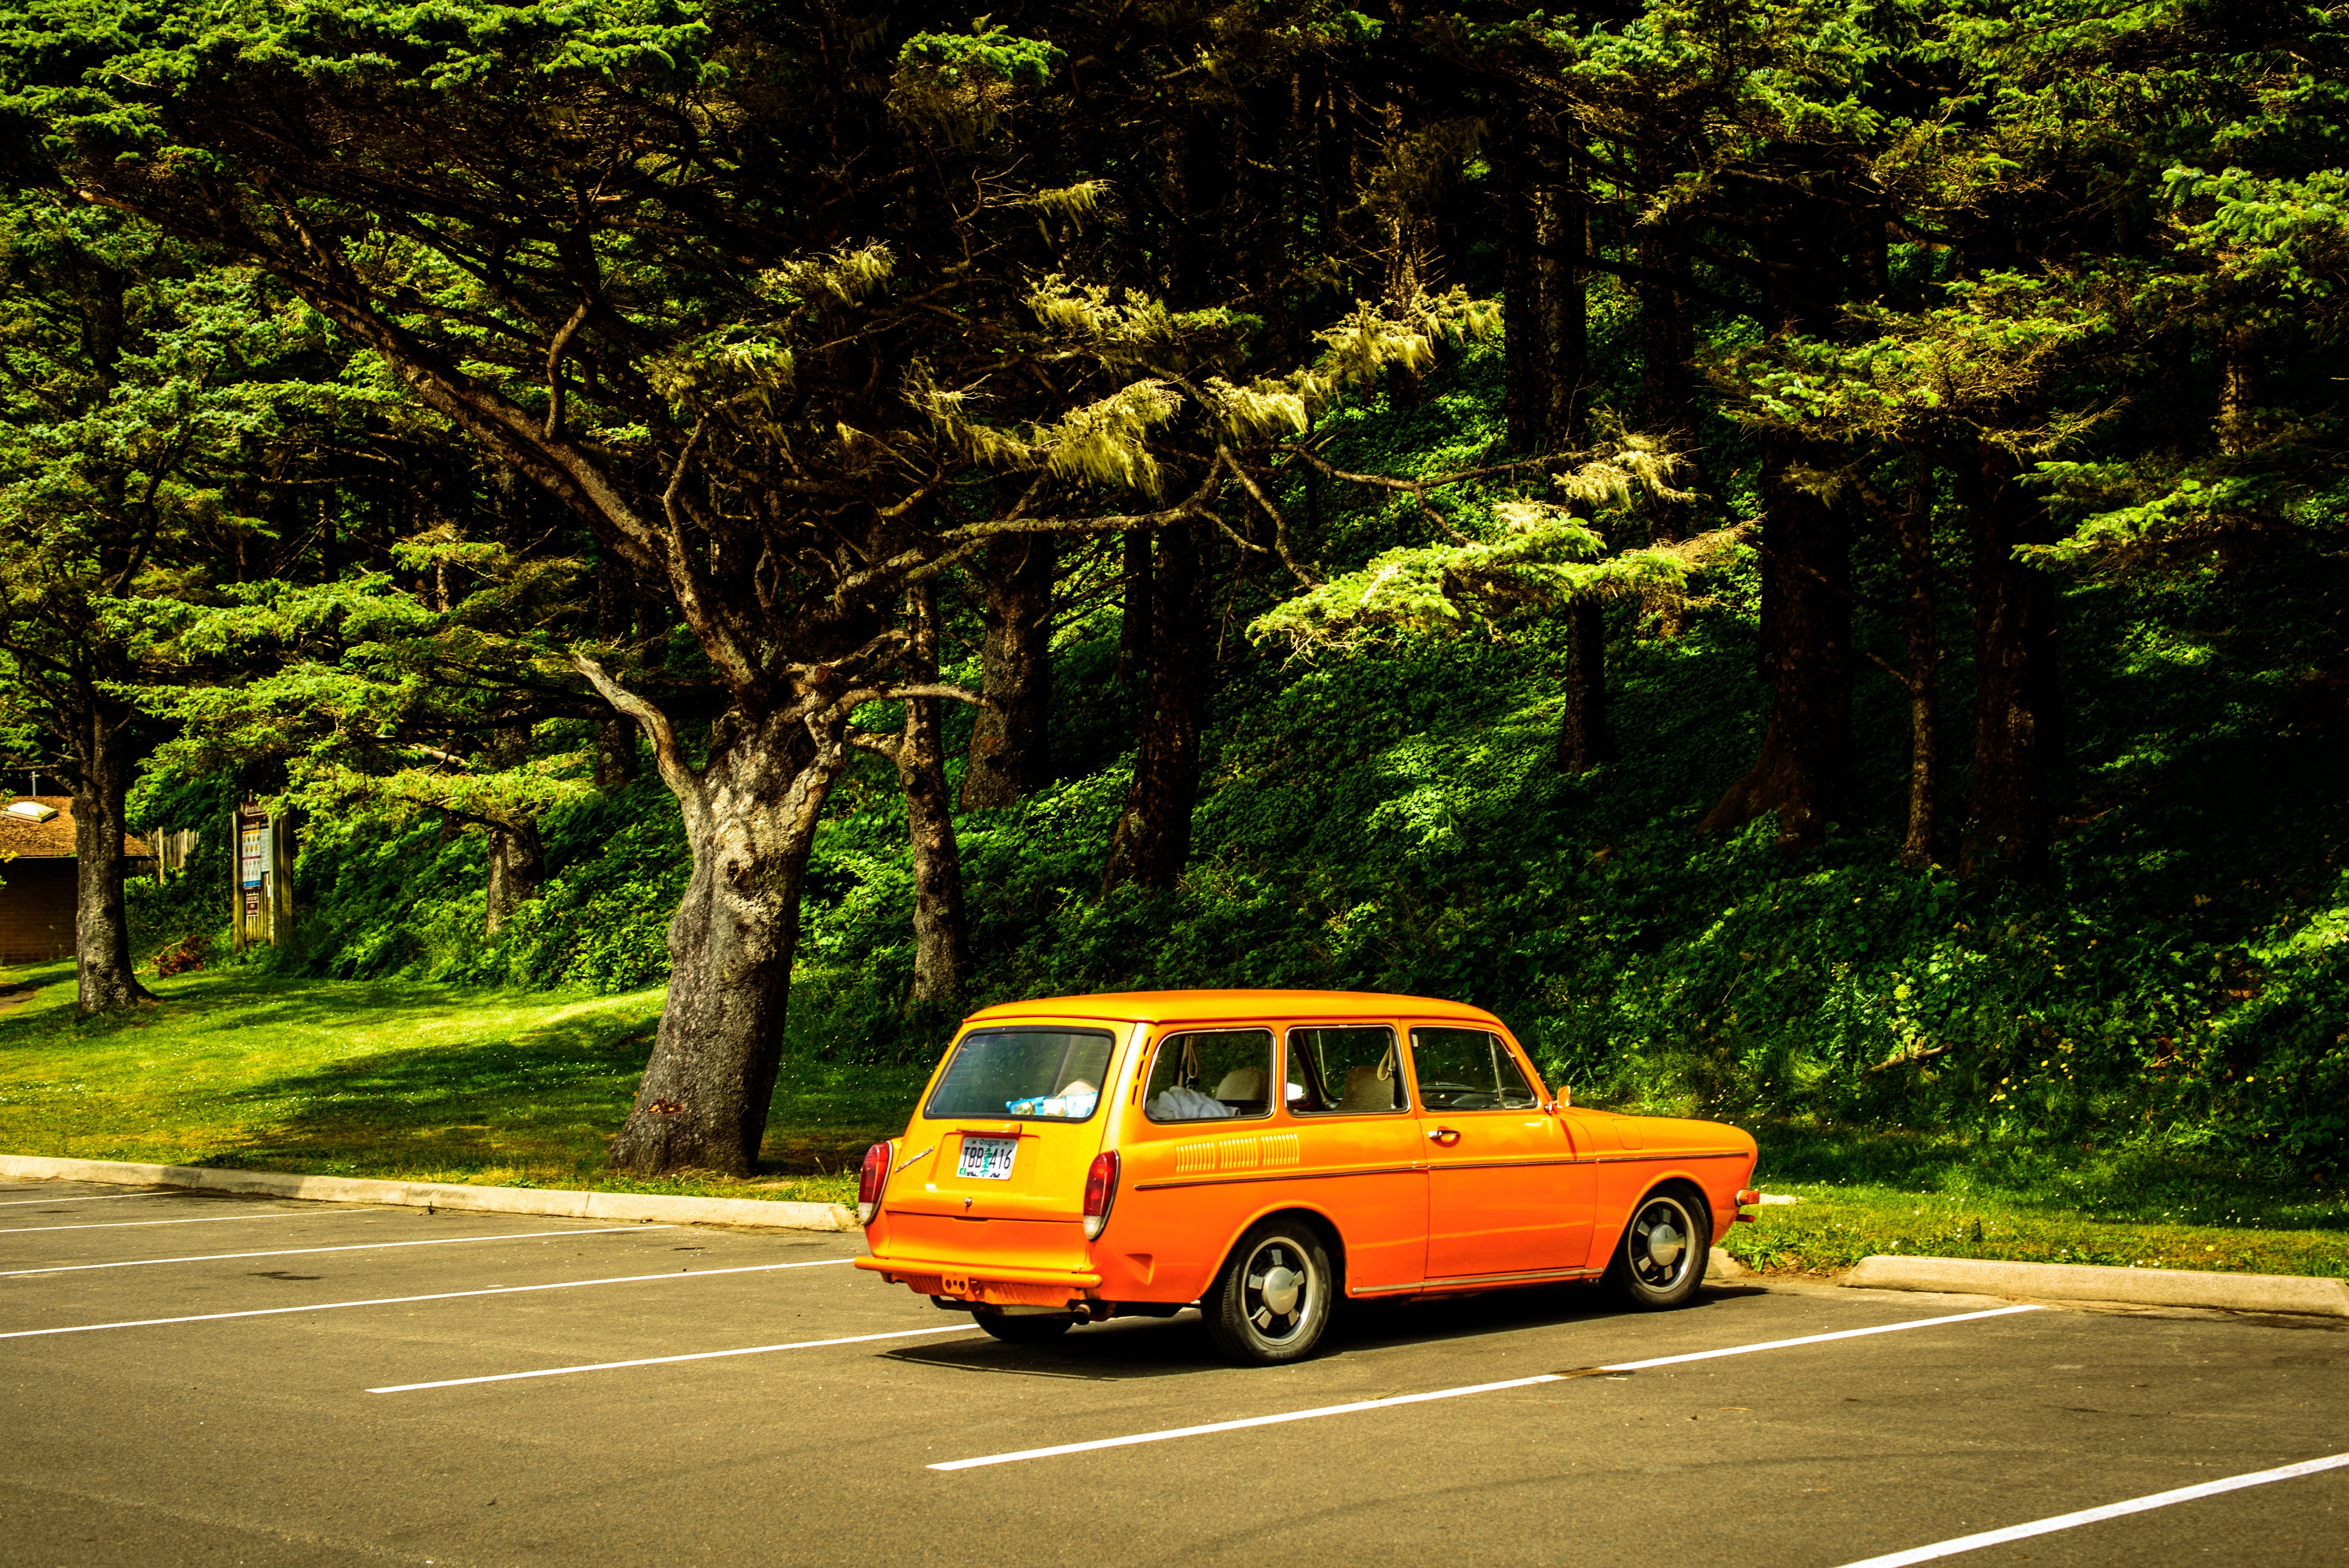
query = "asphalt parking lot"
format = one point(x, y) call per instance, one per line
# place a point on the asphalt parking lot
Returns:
point(196, 1379)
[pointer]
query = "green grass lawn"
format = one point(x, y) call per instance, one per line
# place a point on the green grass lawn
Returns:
point(237, 1067)
point(1949, 1193)
point(234, 1067)
point(1835, 1226)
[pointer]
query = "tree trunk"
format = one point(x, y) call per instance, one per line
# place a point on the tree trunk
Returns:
point(1667, 353)
point(1407, 261)
point(1924, 662)
point(1133, 636)
point(2172, 387)
point(1011, 745)
point(1584, 739)
point(616, 622)
point(517, 861)
point(1153, 837)
point(1871, 252)
point(105, 977)
point(515, 857)
point(1521, 351)
point(615, 753)
point(1803, 769)
point(1561, 238)
point(2018, 712)
point(941, 935)
point(1332, 195)
point(750, 817)
point(2240, 346)
point(1295, 151)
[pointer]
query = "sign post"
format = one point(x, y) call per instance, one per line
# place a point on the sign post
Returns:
point(261, 900)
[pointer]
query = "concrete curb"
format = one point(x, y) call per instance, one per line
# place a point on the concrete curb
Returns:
point(557, 1201)
point(2086, 1282)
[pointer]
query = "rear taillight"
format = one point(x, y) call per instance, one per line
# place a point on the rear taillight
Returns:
point(871, 1178)
point(1748, 1196)
point(1101, 1192)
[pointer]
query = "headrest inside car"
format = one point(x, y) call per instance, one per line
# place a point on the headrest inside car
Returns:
point(1242, 1083)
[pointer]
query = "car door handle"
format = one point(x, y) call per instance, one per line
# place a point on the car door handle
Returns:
point(1444, 1135)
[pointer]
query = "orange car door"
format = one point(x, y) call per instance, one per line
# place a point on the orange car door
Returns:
point(1505, 1194)
point(1344, 1098)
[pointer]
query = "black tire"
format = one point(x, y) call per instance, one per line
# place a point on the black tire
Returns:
point(1271, 1301)
point(1024, 1329)
point(1660, 1263)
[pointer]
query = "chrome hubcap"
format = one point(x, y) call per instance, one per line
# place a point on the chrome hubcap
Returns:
point(1281, 1289)
point(1277, 1291)
point(1660, 1253)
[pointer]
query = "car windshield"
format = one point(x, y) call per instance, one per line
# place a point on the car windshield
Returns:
point(1042, 1074)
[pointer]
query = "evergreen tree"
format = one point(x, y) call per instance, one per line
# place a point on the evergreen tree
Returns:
point(145, 421)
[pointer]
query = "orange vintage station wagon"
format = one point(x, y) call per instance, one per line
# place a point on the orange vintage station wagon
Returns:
point(1261, 1154)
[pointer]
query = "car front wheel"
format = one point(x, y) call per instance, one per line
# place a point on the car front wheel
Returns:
point(1271, 1302)
point(1661, 1260)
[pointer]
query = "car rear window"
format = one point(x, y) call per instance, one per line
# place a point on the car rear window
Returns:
point(1038, 1075)
point(1209, 1073)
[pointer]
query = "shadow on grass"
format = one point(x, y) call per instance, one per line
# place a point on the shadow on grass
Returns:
point(540, 1106)
point(42, 988)
point(390, 1079)
point(537, 1106)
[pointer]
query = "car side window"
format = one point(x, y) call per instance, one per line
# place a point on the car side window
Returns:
point(1468, 1069)
point(1207, 1074)
point(1343, 1071)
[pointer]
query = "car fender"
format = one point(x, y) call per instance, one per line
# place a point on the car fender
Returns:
point(1720, 1203)
point(1284, 1204)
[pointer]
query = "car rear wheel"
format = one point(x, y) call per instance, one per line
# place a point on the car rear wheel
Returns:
point(1024, 1329)
point(1271, 1302)
point(1661, 1260)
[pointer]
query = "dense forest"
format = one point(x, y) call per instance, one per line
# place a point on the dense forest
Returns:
point(1794, 550)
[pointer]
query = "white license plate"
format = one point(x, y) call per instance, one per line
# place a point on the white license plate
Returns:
point(987, 1159)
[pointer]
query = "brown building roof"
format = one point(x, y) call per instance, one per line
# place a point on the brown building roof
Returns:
point(21, 837)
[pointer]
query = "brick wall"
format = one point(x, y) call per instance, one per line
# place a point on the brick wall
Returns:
point(36, 911)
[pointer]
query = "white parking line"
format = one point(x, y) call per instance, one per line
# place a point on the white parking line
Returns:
point(92, 1198)
point(667, 1361)
point(207, 1219)
point(402, 1300)
point(305, 1252)
point(1393, 1400)
point(1806, 1339)
point(2097, 1515)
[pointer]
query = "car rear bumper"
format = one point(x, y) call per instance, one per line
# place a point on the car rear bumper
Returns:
point(993, 1285)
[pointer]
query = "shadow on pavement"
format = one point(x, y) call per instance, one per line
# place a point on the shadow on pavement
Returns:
point(1124, 1349)
point(1114, 1352)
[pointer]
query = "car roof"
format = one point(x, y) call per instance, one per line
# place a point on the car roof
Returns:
point(1201, 1007)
